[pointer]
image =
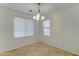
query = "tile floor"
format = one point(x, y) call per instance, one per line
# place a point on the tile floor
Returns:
point(37, 49)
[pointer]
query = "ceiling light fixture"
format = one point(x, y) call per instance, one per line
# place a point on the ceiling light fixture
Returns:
point(39, 16)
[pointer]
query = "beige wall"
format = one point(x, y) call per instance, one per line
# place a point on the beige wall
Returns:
point(7, 41)
point(65, 30)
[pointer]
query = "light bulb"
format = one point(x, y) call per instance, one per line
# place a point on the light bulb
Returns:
point(34, 17)
point(38, 16)
point(42, 17)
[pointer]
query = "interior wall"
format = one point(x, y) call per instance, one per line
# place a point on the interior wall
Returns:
point(65, 30)
point(7, 41)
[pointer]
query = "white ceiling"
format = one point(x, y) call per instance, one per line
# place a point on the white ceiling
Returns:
point(46, 8)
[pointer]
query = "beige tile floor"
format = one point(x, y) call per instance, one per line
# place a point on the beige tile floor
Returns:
point(37, 49)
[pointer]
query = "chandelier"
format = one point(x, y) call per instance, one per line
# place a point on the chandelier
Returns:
point(39, 16)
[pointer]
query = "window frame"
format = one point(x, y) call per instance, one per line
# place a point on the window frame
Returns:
point(24, 30)
point(47, 28)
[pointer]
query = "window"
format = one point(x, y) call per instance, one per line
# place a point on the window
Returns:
point(19, 27)
point(23, 27)
point(46, 28)
point(29, 27)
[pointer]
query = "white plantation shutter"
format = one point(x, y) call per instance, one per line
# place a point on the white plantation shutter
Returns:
point(23, 27)
point(29, 28)
point(19, 27)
